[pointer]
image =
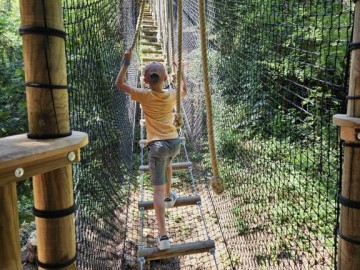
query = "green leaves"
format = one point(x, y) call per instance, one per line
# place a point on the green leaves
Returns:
point(13, 119)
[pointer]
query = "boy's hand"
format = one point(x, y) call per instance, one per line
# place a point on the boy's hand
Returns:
point(127, 55)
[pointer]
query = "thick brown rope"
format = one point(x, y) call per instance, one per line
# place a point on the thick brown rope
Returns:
point(178, 121)
point(172, 33)
point(216, 182)
point(137, 31)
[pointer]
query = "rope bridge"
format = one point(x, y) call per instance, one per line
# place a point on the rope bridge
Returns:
point(278, 73)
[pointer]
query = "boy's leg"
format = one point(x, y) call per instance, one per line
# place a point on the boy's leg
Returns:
point(175, 149)
point(159, 208)
point(168, 181)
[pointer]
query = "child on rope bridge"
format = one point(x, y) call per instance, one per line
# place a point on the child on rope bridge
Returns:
point(162, 136)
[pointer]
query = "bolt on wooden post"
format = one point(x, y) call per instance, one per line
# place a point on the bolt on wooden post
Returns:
point(349, 199)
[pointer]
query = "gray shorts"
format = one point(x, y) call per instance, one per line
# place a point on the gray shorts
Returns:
point(161, 154)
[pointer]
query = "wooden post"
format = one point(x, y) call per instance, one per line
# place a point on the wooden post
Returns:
point(42, 30)
point(9, 229)
point(349, 229)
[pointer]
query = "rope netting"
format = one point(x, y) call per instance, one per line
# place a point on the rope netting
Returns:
point(278, 72)
point(98, 32)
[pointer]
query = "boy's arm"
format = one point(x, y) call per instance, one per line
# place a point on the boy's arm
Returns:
point(120, 79)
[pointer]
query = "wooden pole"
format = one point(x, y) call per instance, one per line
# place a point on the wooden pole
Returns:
point(42, 30)
point(9, 229)
point(349, 229)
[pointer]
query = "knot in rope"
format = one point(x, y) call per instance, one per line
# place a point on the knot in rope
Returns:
point(217, 185)
point(178, 120)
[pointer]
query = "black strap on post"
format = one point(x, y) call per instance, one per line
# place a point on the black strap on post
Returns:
point(57, 265)
point(46, 86)
point(352, 97)
point(48, 136)
point(349, 203)
point(348, 239)
point(39, 30)
point(54, 214)
point(352, 145)
point(354, 46)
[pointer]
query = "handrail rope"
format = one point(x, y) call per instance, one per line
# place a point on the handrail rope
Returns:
point(166, 21)
point(172, 34)
point(216, 182)
point(167, 42)
point(178, 119)
point(163, 25)
point(137, 29)
point(141, 212)
point(196, 193)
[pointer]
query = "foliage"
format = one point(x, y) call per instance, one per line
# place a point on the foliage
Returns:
point(13, 117)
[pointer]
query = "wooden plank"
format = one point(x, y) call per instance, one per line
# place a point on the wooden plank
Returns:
point(154, 253)
point(149, 38)
point(148, 21)
point(149, 27)
point(343, 120)
point(149, 32)
point(152, 59)
point(175, 166)
point(37, 156)
point(154, 44)
point(152, 51)
point(180, 201)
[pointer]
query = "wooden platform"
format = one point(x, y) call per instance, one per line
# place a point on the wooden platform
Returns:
point(175, 166)
point(180, 201)
point(154, 253)
point(37, 156)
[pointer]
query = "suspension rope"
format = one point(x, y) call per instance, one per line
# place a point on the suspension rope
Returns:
point(178, 119)
point(172, 33)
point(137, 30)
point(216, 182)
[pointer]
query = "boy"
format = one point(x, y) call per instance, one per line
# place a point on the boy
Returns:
point(162, 137)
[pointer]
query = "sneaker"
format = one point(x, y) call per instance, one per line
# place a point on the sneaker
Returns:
point(163, 242)
point(169, 202)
